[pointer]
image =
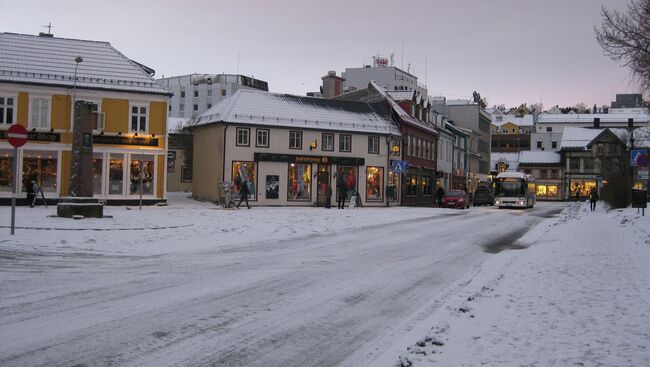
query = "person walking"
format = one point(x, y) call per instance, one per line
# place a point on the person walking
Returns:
point(32, 188)
point(440, 193)
point(593, 197)
point(342, 190)
point(243, 194)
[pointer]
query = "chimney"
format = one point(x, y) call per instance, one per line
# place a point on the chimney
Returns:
point(333, 85)
point(597, 122)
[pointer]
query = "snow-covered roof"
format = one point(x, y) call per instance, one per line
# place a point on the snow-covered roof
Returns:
point(401, 95)
point(578, 137)
point(539, 157)
point(51, 61)
point(511, 159)
point(589, 118)
point(499, 120)
point(255, 107)
point(402, 114)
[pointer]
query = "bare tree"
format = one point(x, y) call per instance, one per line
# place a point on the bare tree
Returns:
point(625, 37)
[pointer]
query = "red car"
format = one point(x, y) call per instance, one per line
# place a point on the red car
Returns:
point(456, 199)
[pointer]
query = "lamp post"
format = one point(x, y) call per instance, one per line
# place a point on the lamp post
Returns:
point(78, 60)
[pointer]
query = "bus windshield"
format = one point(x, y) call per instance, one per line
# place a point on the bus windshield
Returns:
point(510, 188)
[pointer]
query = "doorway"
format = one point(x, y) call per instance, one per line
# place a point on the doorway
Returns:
point(324, 183)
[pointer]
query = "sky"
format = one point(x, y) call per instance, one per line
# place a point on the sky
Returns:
point(510, 51)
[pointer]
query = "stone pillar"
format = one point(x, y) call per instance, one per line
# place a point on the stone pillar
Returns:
point(81, 166)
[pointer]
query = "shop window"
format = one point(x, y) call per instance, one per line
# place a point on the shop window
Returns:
point(349, 175)
point(295, 139)
point(411, 185)
point(7, 110)
point(142, 168)
point(547, 191)
point(426, 184)
point(373, 144)
point(139, 119)
point(41, 166)
point(299, 182)
point(245, 172)
point(345, 143)
point(39, 113)
point(374, 184)
point(327, 142)
point(243, 136)
point(98, 170)
point(581, 187)
point(393, 184)
point(116, 175)
point(262, 138)
point(6, 170)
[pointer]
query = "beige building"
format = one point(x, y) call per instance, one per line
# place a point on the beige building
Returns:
point(293, 150)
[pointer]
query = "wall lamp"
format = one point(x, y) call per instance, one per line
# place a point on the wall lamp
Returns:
point(313, 145)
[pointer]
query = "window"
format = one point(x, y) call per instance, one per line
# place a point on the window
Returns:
point(142, 169)
point(196, 93)
point(539, 145)
point(98, 173)
point(186, 173)
point(209, 92)
point(182, 107)
point(328, 142)
point(299, 182)
point(426, 185)
point(374, 184)
point(243, 135)
point(345, 143)
point(262, 138)
point(410, 146)
point(223, 92)
point(245, 172)
point(41, 166)
point(97, 116)
point(543, 173)
point(295, 139)
point(209, 106)
point(39, 112)
point(6, 170)
point(373, 144)
point(7, 110)
point(574, 163)
point(138, 118)
point(555, 173)
point(588, 164)
point(411, 185)
point(182, 94)
point(549, 129)
point(547, 191)
point(554, 144)
point(170, 108)
point(196, 107)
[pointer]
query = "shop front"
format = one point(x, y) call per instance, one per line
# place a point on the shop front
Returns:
point(419, 186)
point(580, 186)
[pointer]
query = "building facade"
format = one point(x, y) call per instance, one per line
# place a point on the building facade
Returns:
point(294, 150)
point(129, 125)
point(193, 94)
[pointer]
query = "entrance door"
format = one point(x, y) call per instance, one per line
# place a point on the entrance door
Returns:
point(324, 183)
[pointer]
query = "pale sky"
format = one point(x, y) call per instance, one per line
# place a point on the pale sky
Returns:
point(510, 51)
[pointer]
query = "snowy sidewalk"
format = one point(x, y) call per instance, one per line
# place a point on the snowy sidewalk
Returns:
point(579, 296)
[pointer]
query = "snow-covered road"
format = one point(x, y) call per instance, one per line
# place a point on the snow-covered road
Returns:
point(307, 287)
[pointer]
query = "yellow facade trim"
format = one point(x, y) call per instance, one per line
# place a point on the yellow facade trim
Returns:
point(22, 114)
point(61, 105)
point(116, 114)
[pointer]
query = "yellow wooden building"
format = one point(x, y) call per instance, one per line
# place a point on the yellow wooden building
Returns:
point(40, 77)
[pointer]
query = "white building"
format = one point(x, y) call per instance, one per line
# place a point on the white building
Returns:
point(195, 93)
point(390, 78)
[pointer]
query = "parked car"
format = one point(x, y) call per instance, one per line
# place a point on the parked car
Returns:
point(483, 196)
point(456, 199)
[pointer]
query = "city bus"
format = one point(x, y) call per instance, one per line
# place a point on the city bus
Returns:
point(514, 190)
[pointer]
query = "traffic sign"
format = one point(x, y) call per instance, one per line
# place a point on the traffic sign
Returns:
point(400, 166)
point(17, 135)
point(639, 158)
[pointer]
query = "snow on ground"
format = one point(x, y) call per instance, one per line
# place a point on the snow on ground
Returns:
point(578, 296)
point(197, 225)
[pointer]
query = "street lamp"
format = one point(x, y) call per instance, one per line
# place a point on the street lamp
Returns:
point(78, 60)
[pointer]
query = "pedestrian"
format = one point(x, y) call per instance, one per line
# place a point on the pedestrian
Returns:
point(342, 190)
point(328, 197)
point(243, 194)
point(577, 194)
point(593, 197)
point(440, 193)
point(32, 187)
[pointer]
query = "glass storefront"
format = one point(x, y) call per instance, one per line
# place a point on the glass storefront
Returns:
point(299, 181)
point(141, 164)
point(581, 187)
point(349, 175)
point(548, 191)
point(242, 172)
point(6, 170)
point(411, 185)
point(374, 184)
point(426, 185)
point(116, 174)
point(98, 169)
point(393, 189)
point(42, 167)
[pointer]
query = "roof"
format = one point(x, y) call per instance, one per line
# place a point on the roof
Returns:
point(405, 117)
point(51, 61)
point(539, 157)
point(511, 159)
point(586, 118)
point(401, 95)
point(526, 120)
point(260, 108)
point(578, 137)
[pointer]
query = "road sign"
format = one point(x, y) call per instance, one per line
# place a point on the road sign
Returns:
point(400, 166)
point(17, 135)
point(639, 158)
point(643, 174)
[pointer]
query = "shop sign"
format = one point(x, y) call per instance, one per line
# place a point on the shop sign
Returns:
point(36, 136)
point(306, 159)
point(123, 140)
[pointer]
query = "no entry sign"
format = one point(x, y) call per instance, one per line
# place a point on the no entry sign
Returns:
point(17, 135)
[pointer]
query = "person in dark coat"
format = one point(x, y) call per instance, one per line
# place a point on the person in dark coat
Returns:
point(593, 198)
point(243, 194)
point(328, 197)
point(440, 193)
point(342, 189)
point(31, 191)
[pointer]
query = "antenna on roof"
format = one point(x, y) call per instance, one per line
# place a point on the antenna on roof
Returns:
point(49, 27)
